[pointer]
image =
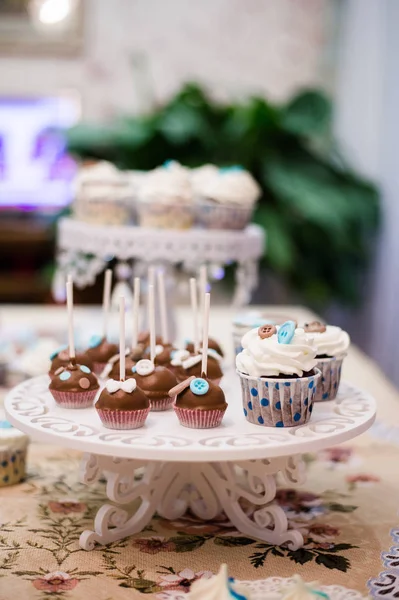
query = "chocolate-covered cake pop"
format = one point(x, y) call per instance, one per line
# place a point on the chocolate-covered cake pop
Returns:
point(74, 386)
point(184, 364)
point(61, 358)
point(212, 345)
point(155, 381)
point(199, 404)
point(100, 351)
point(112, 368)
point(122, 405)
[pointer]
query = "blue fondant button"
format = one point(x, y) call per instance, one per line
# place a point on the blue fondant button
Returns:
point(199, 386)
point(286, 332)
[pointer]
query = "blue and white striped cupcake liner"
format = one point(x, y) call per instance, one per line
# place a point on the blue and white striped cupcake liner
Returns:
point(328, 386)
point(278, 402)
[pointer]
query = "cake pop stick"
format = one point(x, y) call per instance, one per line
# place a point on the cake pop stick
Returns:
point(205, 334)
point(69, 278)
point(162, 306)
point(122, 342)
point(151, 321)
point(106, 300)
point(135, 314)
point(194, 310)
point(203, 284)
point(71, 341)
point(151, 276)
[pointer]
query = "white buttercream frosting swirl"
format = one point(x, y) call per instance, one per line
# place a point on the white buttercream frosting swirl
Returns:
point(166, 185)
point(218, 587)
point(232, 186)
point(101, 180)
point(269, 358)
point(332, 341)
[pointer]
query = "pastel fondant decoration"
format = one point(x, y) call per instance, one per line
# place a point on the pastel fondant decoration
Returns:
point(65, 375)
point(286, 332)
point(199, 386)
point(95, 341)
point(84, 383)
point(145, 367)
point(84, 369)
point(266, 331)
point(54, 354)
point(127, 386)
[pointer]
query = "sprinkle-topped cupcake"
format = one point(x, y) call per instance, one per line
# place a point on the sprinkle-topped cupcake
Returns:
point(122, 405)
point(278, 374)
point(74, 386)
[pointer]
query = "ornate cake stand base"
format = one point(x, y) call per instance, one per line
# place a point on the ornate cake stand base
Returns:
point(207, 488)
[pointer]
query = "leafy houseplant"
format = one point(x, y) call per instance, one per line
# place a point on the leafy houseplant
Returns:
point(319, 215)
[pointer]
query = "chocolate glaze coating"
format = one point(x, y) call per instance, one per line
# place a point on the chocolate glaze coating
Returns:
point(78, 381)
point(163, 359)
point(129, 363)
point(63, 359)
point(214, 399)
point(157, 384)
point(103, 352)
point(121, 400)
point(213, 344)
point(214, 370)
point(144, 339)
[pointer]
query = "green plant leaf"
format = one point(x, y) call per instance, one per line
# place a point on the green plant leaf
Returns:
point(279, 243)
point(333, 561)
point(300, 556)
point(188, 543)
point(340, 547)
point(343, 508)
point(308, 113)
point(231, 541)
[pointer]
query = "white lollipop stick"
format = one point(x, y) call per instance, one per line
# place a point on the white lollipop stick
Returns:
point(203, 284)
point(122, 342)
point(151, 321)
point(162, 306)
point(194, 310)
point(205, 334)
point(69, 278)
point(135, 314)
point(71, 341)
point(151, 276)
point(106, 300)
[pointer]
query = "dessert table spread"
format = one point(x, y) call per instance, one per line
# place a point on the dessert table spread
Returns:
point(346, 512)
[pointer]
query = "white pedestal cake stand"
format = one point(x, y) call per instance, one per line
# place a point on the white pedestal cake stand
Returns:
point(172, 469)
point(84, 250)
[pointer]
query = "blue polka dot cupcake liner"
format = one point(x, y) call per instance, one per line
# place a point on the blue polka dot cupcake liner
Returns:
point(328, 386)
point(12, 466)
point(278, 402)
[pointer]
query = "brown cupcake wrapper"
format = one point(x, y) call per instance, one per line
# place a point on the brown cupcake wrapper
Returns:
point(123, 419)
point(199, 419)
point(328, 386)
point(278, 402)
point(74, 399)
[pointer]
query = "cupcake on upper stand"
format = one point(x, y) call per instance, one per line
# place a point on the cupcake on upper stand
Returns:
point(74, 385)
point(154, 380)
point(278, 374)
point(122, 404)
point(200, 404)
point(100, 349)
point(102, 195)
point(332, 344)
point(165, 198)
point(225, 199)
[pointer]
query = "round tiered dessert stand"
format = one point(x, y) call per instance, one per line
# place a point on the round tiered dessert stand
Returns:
point(83, 250)
point(171, 469)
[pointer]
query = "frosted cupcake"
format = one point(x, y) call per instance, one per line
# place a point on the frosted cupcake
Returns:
point(332, 344)
point(165, 198)
point(226, 199)
point(13, 449)
point(278, 374)
point(199, 404)
point(74, 386)
point(102, 195)
point(122, 405)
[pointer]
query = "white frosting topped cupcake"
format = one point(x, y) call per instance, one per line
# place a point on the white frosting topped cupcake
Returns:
point(169, 184)
point(232, 186)
point(270, 351)
point(100, 180)
point(219, 587)
point(328, 339)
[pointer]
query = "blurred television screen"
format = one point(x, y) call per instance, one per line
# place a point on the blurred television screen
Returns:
point(35, 169)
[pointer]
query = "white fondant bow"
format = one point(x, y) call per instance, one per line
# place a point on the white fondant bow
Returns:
point(114, 385)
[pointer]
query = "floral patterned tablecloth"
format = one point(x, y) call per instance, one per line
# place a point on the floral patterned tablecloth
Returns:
point(345, 512)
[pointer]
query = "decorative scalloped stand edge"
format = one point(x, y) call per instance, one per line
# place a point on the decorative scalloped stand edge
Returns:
point(170, 489)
